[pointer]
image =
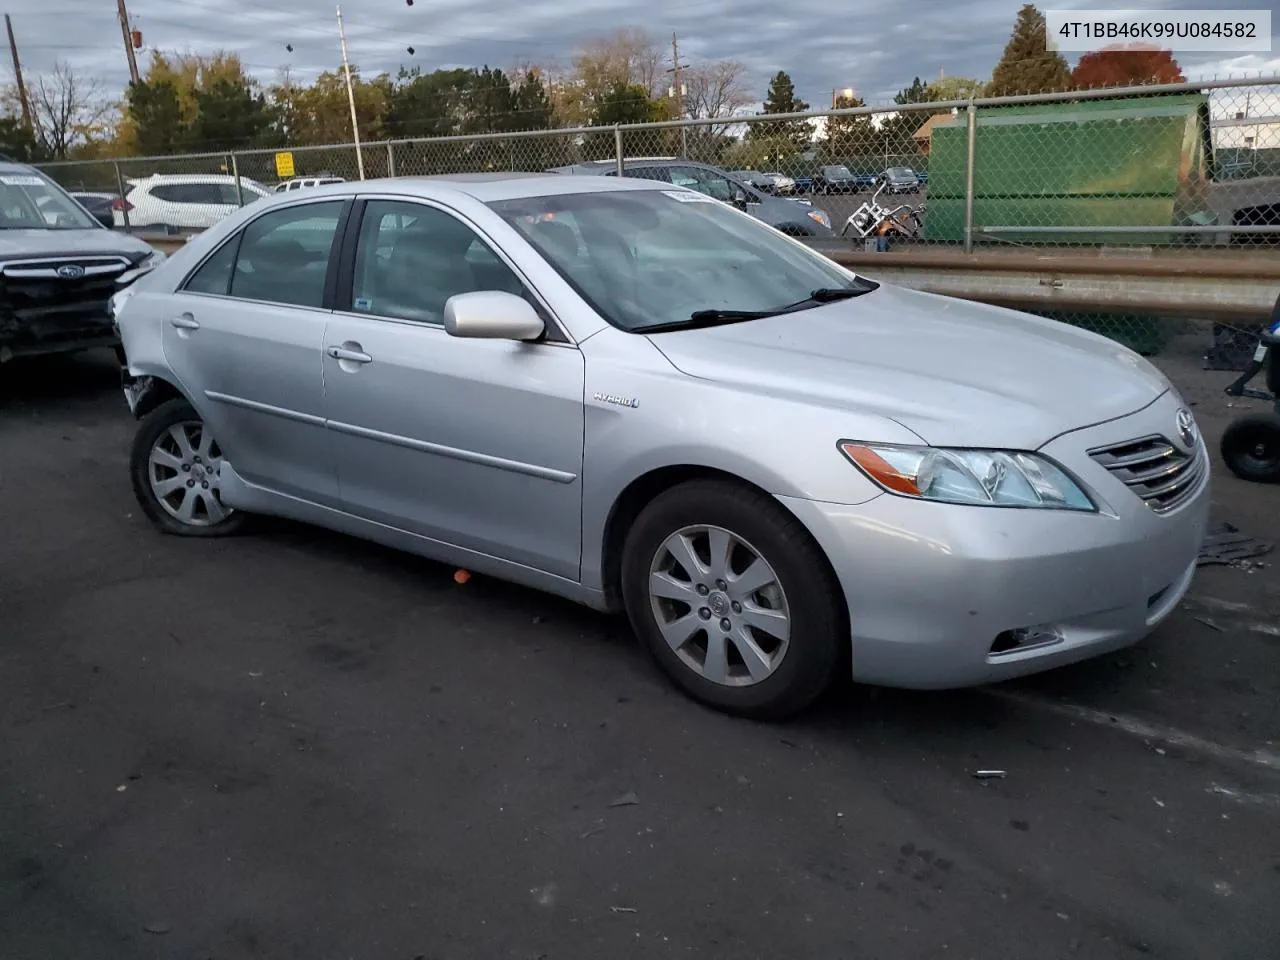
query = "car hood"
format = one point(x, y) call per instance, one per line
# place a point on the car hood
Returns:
point(955, 373)
point(25, 244)
point(779, 210)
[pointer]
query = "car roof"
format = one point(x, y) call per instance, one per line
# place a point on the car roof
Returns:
point(485, 187)
point(14, 167)
point(599, 167)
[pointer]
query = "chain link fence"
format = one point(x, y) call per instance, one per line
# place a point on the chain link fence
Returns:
point(1170, 170)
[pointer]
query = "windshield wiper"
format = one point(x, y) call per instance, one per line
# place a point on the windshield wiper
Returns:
point(714, 318)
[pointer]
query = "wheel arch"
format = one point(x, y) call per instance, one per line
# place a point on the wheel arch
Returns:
point(148, 392)
point(643, 490)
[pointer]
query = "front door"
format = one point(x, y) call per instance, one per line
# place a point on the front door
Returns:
point(245, 337)
point(477, 443)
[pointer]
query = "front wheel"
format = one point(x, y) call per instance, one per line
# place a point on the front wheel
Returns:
point(734, 599)
point(1251, 448)
point(176, 468)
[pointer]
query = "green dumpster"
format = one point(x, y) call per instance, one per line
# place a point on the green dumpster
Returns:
point(1139, 161)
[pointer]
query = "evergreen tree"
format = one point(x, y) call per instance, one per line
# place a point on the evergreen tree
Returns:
point(782, 98)
point(156, 114)
point(1028, 65)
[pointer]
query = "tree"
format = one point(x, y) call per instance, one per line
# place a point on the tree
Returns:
point(782, 98)
point(532, 105)
point(715, 89)
point(324, 115)
point(1028, 65)
point(629, 57)
point(847, 137)
point(1123, 67)
point(955, 88)
point(428, 104)
point(155, 118)
point(67, 110)
point(230, 114)
point(19, 142)
point(490, 103)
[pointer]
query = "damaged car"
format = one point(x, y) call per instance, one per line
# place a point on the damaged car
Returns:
point(59, 268)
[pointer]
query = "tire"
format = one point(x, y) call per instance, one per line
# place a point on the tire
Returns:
point(157, 439)
point(1251, 448)
point(787, 674)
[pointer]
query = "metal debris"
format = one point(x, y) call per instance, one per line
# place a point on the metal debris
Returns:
point(628, 799)
point(990, 774)
point(623, 909)
point(1226, 546)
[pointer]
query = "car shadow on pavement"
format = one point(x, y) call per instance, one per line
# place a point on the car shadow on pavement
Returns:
point(27, 381)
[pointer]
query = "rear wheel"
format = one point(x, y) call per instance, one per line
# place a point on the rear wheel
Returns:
point(1251, 448)
point(733, 599)
point(176, 468)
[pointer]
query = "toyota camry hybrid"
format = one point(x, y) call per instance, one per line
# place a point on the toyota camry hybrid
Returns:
point(638, 397)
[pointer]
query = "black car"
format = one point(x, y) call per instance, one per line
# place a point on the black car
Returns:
point(835, 178)
point(101, 206)
point(900, 180)
point(59, 268)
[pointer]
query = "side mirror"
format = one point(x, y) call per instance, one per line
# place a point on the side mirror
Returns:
point(491, 315)
point(107, 220)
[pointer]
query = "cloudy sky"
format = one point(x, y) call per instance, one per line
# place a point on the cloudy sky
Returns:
point(875, 46)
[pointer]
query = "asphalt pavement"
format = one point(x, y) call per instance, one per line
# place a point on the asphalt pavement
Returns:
point(295, 744)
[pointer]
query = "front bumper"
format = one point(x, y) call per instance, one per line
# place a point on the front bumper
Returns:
point(933, 590)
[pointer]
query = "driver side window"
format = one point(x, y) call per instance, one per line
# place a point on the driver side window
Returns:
point(411, 258)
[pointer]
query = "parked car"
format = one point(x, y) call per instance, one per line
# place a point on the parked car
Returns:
point(834, 178)
point(761, 181)
point(782, 184)
point(183, 201)
point(900, 180)
point(101, 206)
point(58, 268)
point(639, 398)
point(790, 216)
point(301, 183)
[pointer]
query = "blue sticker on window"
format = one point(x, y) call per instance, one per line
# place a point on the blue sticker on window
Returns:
point(364, 303)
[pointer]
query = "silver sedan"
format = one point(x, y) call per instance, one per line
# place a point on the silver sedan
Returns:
point(640, 398)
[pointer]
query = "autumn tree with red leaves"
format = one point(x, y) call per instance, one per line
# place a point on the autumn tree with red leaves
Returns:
point(1125, 67)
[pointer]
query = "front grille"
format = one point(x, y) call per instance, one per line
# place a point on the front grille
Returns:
point(36, 304)
point(1153, 468)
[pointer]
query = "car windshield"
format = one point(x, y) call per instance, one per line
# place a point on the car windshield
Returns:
point(662, 258)
point(30, 201)
point(839, 172)
point(900, 172)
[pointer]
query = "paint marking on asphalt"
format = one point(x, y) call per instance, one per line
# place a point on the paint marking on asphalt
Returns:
point(1141, 728)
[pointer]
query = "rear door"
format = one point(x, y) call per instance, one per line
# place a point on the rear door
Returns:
point(245, 339)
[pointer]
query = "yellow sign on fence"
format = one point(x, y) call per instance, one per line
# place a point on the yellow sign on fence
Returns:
point(284, 165)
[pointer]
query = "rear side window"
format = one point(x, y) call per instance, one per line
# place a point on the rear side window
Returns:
point(284, 255)
point(214, 275)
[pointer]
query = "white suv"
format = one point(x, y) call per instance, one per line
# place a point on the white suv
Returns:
point(186, 201)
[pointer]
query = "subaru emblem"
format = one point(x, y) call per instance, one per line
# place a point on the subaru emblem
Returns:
point(71, 271)
point(1186, 428)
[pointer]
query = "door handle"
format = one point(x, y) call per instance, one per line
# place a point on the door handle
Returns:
point(185, 322)
point(346, 353)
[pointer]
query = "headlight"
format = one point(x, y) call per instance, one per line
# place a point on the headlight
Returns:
point(990, 478)
point(820, 216)
point(141, 268)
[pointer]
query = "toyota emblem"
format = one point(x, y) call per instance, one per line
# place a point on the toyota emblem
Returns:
point(71, 271)
point(1186, 428)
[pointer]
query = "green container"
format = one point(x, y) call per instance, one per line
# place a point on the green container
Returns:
point(1140, 161)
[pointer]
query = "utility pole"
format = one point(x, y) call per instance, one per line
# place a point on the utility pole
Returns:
point(677, 91)
point(17, 75)
point(127, 33)
point(351, 95)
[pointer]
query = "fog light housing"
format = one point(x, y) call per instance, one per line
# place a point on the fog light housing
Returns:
point(1025, 638)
